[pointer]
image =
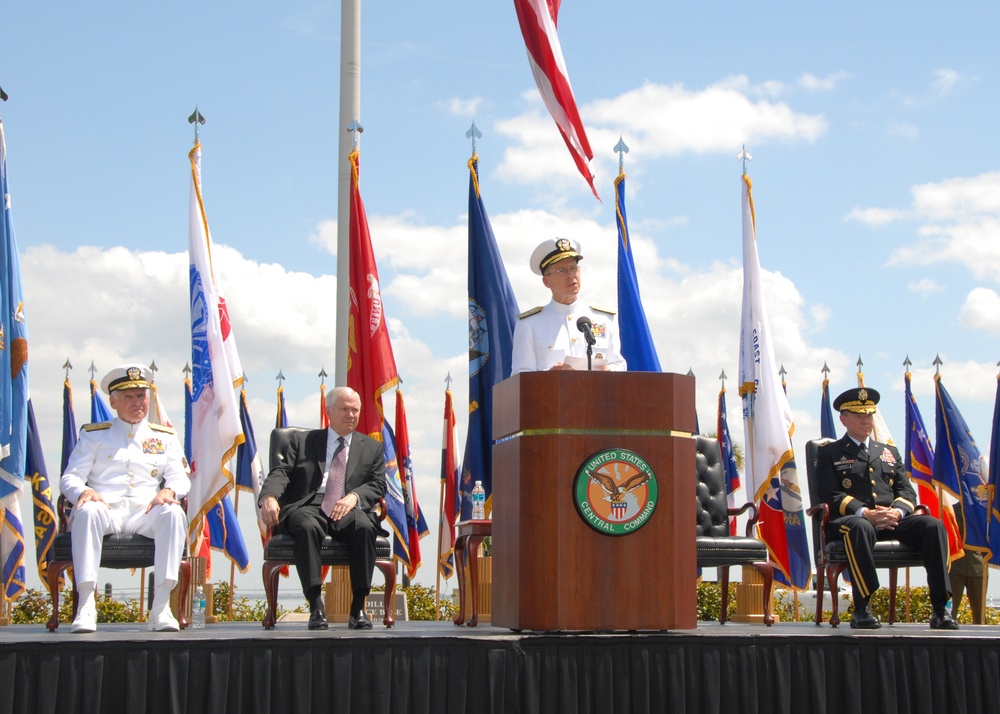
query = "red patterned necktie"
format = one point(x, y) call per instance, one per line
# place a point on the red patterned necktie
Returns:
point(335, 479)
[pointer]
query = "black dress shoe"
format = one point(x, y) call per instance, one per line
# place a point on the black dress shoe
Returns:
point(317, 620)
point(361, 621)
point(941, 620)
point(863, 619)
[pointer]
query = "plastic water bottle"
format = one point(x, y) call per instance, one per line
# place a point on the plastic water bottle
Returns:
point(478, 502)
point(198, 609)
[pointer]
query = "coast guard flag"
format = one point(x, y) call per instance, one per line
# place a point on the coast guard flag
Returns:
point(637, 342)
point(827, 426)
point(13, 394)
point(768, 424)
point(69, 425)
point(371, 367)
point(415, 523)
point(449, 492)
point(216, 371)
point(728, 458)
point(99, 411)
point(538, 20)
point(919, 460)
point(961, 469)
point(492, 316)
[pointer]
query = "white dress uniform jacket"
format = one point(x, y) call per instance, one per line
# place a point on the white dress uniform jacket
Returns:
point(126, 463)
point(545, 335)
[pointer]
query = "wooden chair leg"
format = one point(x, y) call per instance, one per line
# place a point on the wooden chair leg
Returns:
point(55, 571)
point(271, 570)
point(185, 582)
point(820, 569)
point(833, 577)
point(388, 569)
point(724, 583)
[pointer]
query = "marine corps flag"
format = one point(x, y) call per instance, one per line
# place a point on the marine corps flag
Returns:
point(371, 368)
point(492, 316)
point(216, 371)
point(767, 421)
point(13, 394)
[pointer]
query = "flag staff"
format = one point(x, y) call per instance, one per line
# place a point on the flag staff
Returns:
point(196, 119)
point(350, 109)
point(622, 148)
point(781, 373)
point(473, 133)
point(67, 366)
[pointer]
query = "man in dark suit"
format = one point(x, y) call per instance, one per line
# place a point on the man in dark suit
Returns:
point(328, 483)
point(870, 499)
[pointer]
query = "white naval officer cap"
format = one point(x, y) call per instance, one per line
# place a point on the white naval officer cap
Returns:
point(126, 376)
point(552, 251)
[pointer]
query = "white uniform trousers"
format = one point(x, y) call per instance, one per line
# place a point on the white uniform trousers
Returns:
point(165, 524)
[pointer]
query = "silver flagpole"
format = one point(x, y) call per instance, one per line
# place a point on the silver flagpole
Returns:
point(350, 110)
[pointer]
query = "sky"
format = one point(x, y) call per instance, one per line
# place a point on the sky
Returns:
point(876, 186)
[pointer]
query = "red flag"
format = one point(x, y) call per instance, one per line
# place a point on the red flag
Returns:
point(538, 20)
point(371, 368)
point(324, 420)
point(449, 489)
point(415, 524)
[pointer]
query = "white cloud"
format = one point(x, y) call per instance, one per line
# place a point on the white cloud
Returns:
point(464, 107)
point(814, 83)
point(660, 120)
point(874, 216)
point(904, 131)
point(945, 80)
point(981, 310)
point(925, 287)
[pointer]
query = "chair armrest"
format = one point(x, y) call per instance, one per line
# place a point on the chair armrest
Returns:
point(63, 509)
point(380, 509)
point(922, 509)
point(822, 510)
point(751, 519)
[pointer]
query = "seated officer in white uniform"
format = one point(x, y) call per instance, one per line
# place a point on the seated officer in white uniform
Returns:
point(544, 337)
point(127, 476)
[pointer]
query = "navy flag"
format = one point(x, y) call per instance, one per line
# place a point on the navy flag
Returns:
point(492, 314)
point(960, 468)
point(637, 342)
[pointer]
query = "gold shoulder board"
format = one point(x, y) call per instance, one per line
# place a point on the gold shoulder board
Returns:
point(529, 313)
point(161, 427)
point(605, 310)
point(97, 426)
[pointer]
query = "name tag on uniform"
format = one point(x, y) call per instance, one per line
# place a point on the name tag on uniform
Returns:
point(843, 464)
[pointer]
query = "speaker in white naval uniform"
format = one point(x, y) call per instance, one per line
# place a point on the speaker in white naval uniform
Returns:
point(127, 476)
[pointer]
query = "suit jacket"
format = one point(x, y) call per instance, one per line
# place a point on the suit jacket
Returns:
point(300, 471)
point(848, 483)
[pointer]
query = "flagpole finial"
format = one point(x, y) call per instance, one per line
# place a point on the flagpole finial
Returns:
point(322, 376)
point(67, 366)
point(280, 378)
point(356, 130)
point(691, 372)
point(245, 378)
point(744, 156)
point(196, 119)
point(907, 363)
point(187, 370)
point(473, 133)
point(621, 148)
point(825, 370)
point(859, 363)
point(937, 363)
point(92, 369)
point(722, 378)
point(3, 95)
point(447, 381)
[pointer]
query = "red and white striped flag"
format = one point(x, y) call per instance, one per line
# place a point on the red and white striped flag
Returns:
point(538, 19)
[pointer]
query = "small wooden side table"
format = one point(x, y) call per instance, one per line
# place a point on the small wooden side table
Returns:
point(469, 536)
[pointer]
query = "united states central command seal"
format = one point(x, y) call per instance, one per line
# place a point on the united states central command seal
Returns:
point(615, 491)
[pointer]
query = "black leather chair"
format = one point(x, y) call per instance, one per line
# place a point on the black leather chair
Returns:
point(120, 550)
point(278, 550)
point(716, 547)
point(830, 555)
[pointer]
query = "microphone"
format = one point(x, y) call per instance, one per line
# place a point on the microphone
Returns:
point(583, 325)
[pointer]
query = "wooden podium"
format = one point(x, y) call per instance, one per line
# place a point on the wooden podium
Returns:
point(551, 569)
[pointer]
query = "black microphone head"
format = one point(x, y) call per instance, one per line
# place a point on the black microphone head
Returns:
point(583, 322)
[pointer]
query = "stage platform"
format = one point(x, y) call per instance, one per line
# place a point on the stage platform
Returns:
point(439, 668)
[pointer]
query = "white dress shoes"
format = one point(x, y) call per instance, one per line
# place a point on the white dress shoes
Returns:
point(86, 616)
point(162, 620)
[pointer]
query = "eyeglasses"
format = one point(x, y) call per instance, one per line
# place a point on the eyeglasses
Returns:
point(562, 272)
